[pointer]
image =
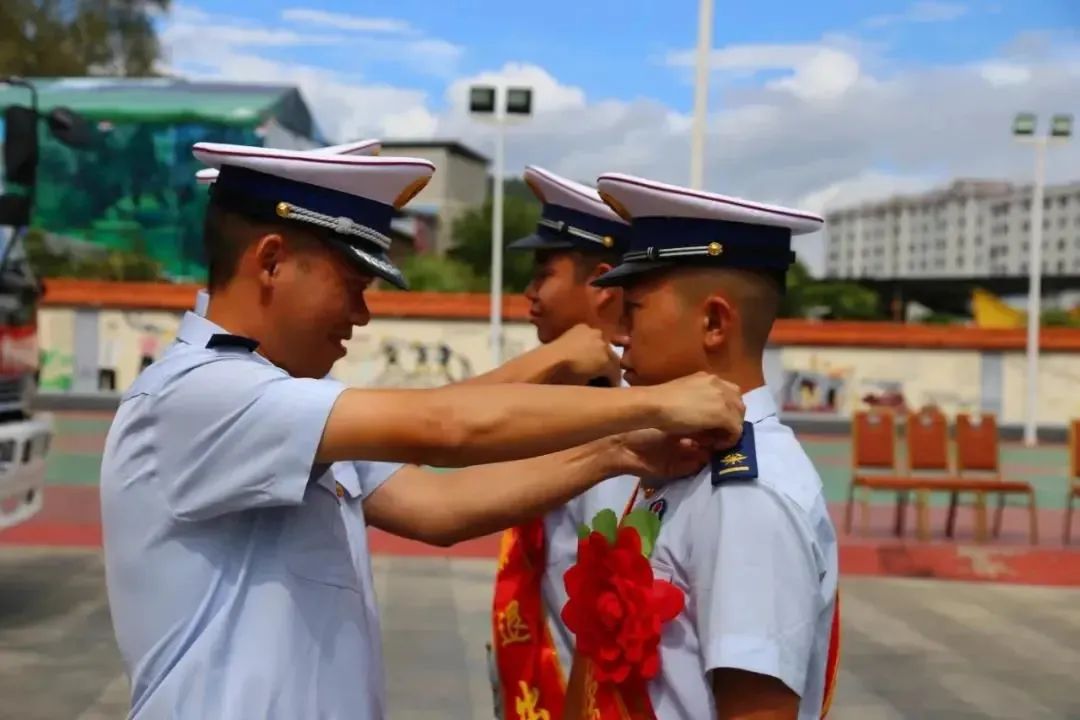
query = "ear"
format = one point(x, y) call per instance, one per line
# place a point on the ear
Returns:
point(269, 252)
point(605, 296)
point(718, 321)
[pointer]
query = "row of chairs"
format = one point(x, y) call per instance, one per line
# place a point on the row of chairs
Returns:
point(975, 471)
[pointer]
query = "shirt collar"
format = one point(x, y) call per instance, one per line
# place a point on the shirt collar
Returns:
point(195, 330)
point(759, 404)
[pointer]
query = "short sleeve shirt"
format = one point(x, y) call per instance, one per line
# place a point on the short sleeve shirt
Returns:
point(237, 569)
point(757, 563)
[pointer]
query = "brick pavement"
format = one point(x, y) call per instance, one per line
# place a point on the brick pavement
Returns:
point(917, 649)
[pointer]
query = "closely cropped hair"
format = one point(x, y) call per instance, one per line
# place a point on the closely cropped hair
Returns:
point(589, 259)
point(227, 234)
point(224, 240)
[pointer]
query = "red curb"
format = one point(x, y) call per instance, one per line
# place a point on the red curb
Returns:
point(52, 534)
point(64, 523)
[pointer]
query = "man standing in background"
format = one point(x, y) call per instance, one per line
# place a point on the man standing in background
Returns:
point(578, 238)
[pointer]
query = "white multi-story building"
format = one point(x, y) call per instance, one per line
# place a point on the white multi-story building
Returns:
point(971, 229)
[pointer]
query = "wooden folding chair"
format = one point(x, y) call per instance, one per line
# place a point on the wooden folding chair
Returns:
point(978, 461)
point(928, 460)
point(873, 461)
point(1074, 476)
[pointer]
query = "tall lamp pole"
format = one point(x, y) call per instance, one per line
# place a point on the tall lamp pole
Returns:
point(499, 105)
point(1024, 130)
point(701, 94)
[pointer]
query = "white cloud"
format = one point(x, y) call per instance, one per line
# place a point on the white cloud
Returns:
point(921, 12)
point(824, 134)
point(998, 72)
point(202, 46)
point(193, 29)
point(341, 21)
point(816, 71)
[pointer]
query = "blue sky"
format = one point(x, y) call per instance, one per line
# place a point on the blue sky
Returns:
point(619, 49)
point(817, 105)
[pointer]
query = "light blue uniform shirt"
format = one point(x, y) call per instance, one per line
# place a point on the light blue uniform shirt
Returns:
point(757, 563)
point(238, 572)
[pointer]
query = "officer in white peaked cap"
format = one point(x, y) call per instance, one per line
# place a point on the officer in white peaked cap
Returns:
point(237, 481)
point(206, 176)
point(748, 540)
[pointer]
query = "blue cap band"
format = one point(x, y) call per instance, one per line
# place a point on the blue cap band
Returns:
point(258, 186)
point(566, 221)
point(729, 243)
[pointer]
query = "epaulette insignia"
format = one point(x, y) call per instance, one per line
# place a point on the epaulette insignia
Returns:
point(237, 341)
point(737, 463)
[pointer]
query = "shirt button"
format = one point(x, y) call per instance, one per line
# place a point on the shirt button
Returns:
point(340, 490)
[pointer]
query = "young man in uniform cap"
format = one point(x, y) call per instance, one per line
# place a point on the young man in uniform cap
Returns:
point(577, 239)
point(748, 541)
point(237, 481)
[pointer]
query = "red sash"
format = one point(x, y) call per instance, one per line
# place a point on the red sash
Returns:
point(532, 685)
point(630, 700)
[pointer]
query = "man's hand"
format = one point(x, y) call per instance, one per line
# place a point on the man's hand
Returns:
point(655, 457)
point(584, 354)
point(702, 402)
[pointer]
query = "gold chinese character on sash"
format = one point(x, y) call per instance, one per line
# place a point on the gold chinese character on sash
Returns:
point(511, 627)
point(526, 704)
point(506, 542)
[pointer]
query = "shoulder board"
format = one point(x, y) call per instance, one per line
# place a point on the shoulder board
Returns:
point(225, 340)
point(738, 463)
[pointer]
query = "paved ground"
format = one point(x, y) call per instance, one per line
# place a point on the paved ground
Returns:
point(915, 649)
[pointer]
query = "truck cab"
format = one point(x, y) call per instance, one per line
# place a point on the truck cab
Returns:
point(25, 436)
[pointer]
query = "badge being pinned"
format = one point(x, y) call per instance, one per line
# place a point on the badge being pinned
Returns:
point(737, 463)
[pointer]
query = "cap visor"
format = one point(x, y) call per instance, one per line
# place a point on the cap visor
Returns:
point(539, 242)
point(376, 263)
point(627, 273)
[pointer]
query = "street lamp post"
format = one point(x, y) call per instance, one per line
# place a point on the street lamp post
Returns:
point(701, 94)
point(499, 105)
point(1024, 130)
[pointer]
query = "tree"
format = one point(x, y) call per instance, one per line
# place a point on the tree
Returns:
point(51, 38)
point(435, 273)
point(835, 300)
point(472, 237)
point(793, 304)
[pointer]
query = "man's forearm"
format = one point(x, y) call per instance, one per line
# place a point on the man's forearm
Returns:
point(457, 425)
point(539, 365)
point(445, 508)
